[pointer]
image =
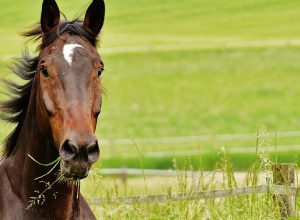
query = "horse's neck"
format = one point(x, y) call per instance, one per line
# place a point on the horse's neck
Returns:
point(23, 171)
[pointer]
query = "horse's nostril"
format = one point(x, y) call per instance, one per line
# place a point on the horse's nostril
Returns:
point(68, 150)
point(71, 151)
point(93, 151)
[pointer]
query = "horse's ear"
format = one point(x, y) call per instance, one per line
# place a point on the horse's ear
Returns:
point(50, 15)
point(94, 16)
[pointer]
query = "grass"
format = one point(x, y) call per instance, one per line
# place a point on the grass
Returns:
point(182, 92)
point(206, 92)
point(208, 161)
point(254, 206)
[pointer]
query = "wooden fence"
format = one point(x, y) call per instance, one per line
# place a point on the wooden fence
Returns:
point(242, 191)
point(282, 189)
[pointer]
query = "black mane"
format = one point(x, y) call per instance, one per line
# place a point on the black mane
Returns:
point(14, 109)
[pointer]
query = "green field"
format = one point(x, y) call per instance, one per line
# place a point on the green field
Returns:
point(184, 68)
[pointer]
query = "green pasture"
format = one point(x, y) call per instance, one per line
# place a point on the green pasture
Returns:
point(180, 90)
point(184, 68)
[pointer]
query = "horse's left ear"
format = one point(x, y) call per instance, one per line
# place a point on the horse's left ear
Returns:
point(50, 15)
point(94, 17)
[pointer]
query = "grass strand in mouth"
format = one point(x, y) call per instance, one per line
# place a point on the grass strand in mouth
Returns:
point(39, 177)
point(55, 162)
point(77, 189)
point(44, 164)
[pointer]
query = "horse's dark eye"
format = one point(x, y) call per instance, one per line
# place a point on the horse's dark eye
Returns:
point(100, 71)
point(45, 72)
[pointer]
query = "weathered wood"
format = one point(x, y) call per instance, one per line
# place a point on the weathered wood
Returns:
point(243, 191)
point(284, 175)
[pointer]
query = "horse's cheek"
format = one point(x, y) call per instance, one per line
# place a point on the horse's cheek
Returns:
point(42, 114)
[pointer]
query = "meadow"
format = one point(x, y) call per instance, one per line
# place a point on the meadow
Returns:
point(185, 68)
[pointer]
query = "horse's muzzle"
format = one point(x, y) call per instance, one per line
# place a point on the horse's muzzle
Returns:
point(77, 159)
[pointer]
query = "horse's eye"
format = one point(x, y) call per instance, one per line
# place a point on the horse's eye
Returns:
point(100, 71)
point(45, 72)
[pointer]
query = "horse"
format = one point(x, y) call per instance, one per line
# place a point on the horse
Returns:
point(55, 109)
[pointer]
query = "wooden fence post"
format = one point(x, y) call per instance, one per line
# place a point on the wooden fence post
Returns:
point(283, 174)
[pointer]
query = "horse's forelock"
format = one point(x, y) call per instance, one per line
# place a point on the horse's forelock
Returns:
point(74, 27)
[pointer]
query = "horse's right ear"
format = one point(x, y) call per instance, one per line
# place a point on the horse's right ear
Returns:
point(50, 15)
point(94, 16)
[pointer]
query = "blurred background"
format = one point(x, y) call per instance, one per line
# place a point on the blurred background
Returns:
point(184, 78)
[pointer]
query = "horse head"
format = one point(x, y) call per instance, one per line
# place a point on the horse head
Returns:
point(68, 99)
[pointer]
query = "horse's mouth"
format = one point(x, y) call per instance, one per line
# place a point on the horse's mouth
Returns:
point(74, 171)
point(71, 176)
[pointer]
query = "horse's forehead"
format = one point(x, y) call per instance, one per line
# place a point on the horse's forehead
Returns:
point(68, 46)
point(70, 53)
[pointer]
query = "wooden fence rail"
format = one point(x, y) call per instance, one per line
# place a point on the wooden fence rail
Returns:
point(283, 191)
point(242, 191)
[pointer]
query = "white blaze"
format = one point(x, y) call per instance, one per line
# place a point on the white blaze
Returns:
point(68, 51)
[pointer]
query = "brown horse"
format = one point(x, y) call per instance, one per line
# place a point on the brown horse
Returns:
point(56, 114)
